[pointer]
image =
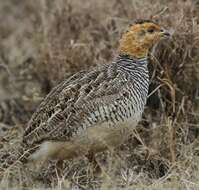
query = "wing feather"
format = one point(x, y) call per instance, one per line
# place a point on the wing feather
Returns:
point(71, 104)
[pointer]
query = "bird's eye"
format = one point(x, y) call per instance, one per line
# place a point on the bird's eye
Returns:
point(151, 30)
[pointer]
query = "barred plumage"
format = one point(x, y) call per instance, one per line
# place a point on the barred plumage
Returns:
point(95, 109)
point(117, 93)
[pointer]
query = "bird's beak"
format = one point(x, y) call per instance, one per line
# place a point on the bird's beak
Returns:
point(165, 33)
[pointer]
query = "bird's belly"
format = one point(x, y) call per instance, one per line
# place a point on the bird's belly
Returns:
point(105, 136)
point(107, 130)
point(93, 139)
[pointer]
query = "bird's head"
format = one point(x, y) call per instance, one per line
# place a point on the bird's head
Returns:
point(140, 37)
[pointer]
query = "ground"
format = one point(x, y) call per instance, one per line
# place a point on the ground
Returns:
point(42, 42)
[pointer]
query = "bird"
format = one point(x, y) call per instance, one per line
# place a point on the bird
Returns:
point(95, 109)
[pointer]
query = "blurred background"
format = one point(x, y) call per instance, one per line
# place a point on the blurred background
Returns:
point(43, 42)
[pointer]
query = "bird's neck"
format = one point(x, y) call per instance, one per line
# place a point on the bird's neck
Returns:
point(126, 59)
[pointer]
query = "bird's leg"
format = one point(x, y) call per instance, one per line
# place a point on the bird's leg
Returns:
point(97, 170)
point(60, 168)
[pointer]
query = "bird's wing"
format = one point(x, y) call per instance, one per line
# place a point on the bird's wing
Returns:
point(69, 105)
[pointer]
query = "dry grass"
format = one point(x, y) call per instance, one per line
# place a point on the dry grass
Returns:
point(43, 42)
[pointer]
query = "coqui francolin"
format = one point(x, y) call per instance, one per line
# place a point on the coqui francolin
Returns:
point(95, 109)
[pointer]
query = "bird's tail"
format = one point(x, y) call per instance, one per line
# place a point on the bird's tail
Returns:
point(56, 150)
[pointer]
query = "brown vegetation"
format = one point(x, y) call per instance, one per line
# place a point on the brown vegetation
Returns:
point(43, 42)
